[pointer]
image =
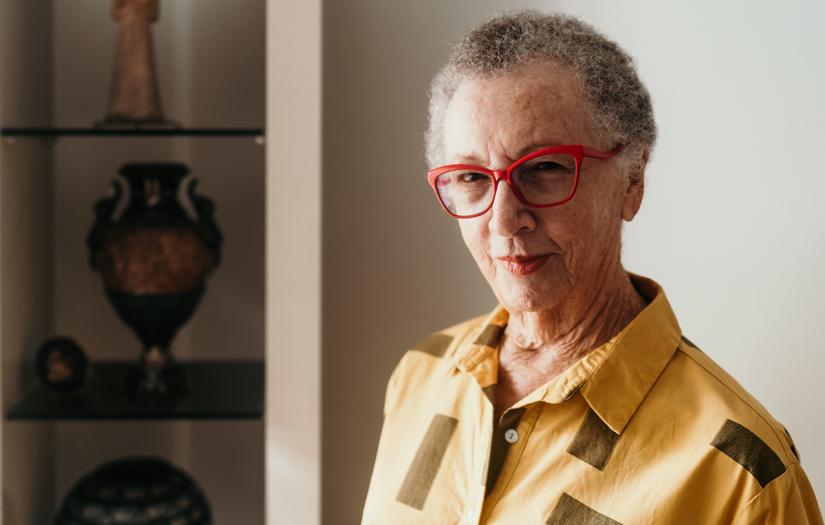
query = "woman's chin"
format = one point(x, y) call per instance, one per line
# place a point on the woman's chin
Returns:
point(529, 299)
point(531, 293)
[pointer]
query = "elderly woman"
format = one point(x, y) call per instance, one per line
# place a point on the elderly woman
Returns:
point(577, 400)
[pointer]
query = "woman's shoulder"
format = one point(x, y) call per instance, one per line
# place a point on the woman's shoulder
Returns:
point(426, 363)
point(719, 404)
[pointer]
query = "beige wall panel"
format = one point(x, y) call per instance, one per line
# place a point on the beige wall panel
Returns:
point(293, 262)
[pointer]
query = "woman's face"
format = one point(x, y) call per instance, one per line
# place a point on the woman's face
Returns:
point(535, 258)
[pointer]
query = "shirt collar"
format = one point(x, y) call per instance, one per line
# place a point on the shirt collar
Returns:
point(613, 378)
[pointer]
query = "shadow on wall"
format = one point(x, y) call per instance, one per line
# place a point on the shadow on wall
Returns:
point(394, 266)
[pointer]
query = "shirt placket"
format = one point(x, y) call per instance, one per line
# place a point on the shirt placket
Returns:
point(509, 441)
point(480, 361)
point(503, 440)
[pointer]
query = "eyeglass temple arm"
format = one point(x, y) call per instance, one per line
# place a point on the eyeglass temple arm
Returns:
point(590, 152)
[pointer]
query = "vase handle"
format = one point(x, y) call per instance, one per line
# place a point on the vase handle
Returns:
point(104, 209)
point(205, 210)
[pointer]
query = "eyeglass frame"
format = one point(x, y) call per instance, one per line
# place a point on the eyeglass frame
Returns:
point(577, 151)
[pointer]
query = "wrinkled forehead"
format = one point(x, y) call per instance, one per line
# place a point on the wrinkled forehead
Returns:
point(494, 119)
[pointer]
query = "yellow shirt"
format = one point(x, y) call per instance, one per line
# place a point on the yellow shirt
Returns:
point(643, 429)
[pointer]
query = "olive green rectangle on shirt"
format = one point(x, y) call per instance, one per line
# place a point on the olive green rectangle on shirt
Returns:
point(570, 511)
point(594, 441)
point(747, 449)
point(434, 344)
point(424, 467)
point(489, 336)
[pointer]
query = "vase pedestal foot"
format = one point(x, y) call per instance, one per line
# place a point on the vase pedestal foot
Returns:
point(156, 374)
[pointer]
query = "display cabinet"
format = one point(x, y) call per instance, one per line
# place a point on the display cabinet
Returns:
point(55, 67)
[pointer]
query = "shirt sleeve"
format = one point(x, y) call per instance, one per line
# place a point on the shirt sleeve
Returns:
point(788, 499)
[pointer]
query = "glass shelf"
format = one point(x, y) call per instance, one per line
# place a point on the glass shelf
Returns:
point(48, 132)
point(220, 390)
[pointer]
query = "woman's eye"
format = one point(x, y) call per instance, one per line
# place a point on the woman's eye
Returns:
point(471, 177)
point(548, 166)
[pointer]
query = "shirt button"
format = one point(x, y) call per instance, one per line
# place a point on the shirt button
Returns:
point(472, 515)
point(511, 436)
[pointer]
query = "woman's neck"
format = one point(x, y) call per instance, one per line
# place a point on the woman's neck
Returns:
point(590, 317)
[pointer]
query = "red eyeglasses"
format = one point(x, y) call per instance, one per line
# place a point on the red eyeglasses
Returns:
point(541, 179)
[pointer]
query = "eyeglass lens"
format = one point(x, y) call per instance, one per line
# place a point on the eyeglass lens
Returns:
point(542, 181)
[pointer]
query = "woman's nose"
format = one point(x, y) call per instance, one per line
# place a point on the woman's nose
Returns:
point(508, 214)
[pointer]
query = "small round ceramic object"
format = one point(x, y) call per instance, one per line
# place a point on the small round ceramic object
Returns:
point(62, 364)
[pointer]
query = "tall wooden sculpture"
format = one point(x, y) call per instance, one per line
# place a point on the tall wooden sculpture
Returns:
point(134, 98)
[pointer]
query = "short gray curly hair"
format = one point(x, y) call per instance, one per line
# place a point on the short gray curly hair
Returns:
point(620, 104)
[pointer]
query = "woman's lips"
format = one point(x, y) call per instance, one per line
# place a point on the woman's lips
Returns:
point(523, 265)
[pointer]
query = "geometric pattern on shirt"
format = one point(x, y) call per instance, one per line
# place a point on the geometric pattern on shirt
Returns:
point(594, 441)
point(747, 449)
point(570, 511)
point(424, 467)
point(434, 344)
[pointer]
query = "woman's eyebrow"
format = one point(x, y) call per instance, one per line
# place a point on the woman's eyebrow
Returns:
point(535, 146)
point(469, 158)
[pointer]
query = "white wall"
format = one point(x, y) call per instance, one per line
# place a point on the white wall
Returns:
point(731, 224)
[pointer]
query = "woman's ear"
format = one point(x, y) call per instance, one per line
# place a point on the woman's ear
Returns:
point(635, 189)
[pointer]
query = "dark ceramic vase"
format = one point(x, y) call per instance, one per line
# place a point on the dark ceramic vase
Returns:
point(154, 260)
point(132, 491)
